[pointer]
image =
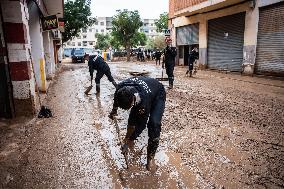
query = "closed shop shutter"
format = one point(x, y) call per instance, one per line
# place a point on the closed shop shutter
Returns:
point(270, 40)
point(188, 35)
point(225, 42)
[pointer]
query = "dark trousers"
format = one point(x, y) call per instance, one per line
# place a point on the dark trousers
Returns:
point(157, 60)
point(101, 73)
point(170, 73)
point(154, 123)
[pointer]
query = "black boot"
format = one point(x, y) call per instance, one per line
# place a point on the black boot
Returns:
point(98, 88)
point(151, 150)
point(171, 84)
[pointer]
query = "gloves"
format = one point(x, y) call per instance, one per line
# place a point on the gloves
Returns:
point(112, 114)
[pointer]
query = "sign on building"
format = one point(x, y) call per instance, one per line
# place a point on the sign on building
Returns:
point(167, 32)
point(49, 23)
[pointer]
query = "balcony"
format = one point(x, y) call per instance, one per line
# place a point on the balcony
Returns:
point(191, 7)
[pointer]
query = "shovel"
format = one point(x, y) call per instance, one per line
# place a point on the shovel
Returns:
point(89, 88)
point(162, 78)
point(124, 148)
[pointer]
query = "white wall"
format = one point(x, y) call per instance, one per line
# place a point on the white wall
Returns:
point(49, 54)
point(37, 49)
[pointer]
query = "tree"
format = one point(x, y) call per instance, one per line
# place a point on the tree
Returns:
point(114, 43)
point(139, 39)
point(157, 43)
point(162, 22)
point(125, 26)
point(76, 16)
point(103, 41)
point(150, 43)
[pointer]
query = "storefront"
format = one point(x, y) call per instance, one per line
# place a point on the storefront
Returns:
point(270, 40)
point(225, 42)
point(187, 37)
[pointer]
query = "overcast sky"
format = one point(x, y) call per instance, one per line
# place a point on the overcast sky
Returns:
point(146, 8)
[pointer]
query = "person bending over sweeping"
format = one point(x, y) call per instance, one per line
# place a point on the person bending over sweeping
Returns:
point(96, 62)
point(146, 97)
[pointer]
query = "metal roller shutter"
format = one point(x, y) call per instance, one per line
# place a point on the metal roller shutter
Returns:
point(270, 40)
point(225, 42)
point(188, 35)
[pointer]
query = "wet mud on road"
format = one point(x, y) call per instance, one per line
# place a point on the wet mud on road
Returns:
point(218, 131)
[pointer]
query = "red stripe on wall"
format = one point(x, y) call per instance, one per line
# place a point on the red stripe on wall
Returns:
point(20, 71)
point(15, 32)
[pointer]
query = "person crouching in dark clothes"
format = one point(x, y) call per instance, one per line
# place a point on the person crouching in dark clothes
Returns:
point(169, 62)
point(146, 97)
point(96, 62)
point(193, 55)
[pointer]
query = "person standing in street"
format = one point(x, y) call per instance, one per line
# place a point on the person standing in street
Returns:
point(146, 97)
point(193, 55)
point(169, 63)
point(96, 62)
point(158, 57)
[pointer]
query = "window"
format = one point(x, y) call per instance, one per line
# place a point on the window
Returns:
point(145, 24)
point(108, 23)
point(85, 43)
point(146, 31)
point(152, 24)
point(102, 30)
point(84, 30)
point(84, 36)
point(97, 30)
point(79, 37)
point(91, 43)
point(73, 43)
point(102, 23)
point(68, 43)
point(79, 44)
point(90, 30)
point(152, 31)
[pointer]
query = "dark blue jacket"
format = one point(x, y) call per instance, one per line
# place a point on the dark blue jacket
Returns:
point(149, 90)
point(99, 64)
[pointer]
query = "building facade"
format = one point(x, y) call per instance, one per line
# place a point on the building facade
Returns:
point(28, 55)
point(149, 28)
point(237, 35)
point(87, 37)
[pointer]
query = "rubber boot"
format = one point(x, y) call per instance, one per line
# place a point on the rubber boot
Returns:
point(151, 150)
point(171, 84)
point(190, 73)
point(98, 88)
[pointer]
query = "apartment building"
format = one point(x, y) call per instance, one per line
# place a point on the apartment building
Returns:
point(103, 26)
point(237, 35)
point(149, 28)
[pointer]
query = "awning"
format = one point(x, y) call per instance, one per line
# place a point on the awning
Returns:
point(207, 6)
point(54, 7)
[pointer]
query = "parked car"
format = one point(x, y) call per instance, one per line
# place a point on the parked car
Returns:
point(78, 55)
point(67, 52)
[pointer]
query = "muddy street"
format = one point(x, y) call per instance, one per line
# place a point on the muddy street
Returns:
point(218, 131)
